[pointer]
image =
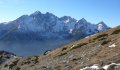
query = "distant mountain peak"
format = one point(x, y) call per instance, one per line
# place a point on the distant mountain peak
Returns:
point(50, 14)
point(102, 22)
point(83, 20)
point(102, 26)
point(37, 12)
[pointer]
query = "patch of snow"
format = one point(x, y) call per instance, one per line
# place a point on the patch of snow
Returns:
point(93, 35)
point(113, 45)
point(87, 37)
point(67, 21)
point(77, 20)
point(15, 56)
point(71, 30)
point(107, 66)
point(85, 68)
point(100, 27)
point(95, 66)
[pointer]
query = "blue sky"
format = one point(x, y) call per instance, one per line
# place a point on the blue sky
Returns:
point(93, 11)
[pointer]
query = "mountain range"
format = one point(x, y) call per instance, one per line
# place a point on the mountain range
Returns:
point(39, 27)
point(46, 26)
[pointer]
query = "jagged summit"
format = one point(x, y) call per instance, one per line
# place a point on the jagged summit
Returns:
point(48, 13)
point(102, 23)
point(83, 20)
point(36, 13)
point(102, 26)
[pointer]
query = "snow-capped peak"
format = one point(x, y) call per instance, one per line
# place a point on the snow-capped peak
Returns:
point(66, 21)
point(102, 26)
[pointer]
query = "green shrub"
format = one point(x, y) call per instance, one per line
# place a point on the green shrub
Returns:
point(63, 54)
point(26, 62)
point(1, 58)
point(6, 65)
point(35, 59)
point(17, 68)
point(100, 36)
point(116, 32)
point(90, 41)
point(31, 60)
point(13, 64)
point(105, 42)
point(64, 48)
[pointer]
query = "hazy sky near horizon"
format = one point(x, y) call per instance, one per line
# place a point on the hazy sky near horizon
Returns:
point(93, 11)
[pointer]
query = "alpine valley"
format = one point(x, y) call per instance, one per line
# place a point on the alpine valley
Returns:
point(35, 33)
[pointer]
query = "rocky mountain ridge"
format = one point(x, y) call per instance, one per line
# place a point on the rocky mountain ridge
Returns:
point(48, 26)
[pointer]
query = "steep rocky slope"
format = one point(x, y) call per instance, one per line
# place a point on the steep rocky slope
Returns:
point(100, 51)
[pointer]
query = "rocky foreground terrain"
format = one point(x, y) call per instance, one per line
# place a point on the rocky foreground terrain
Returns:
point(100, 51)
